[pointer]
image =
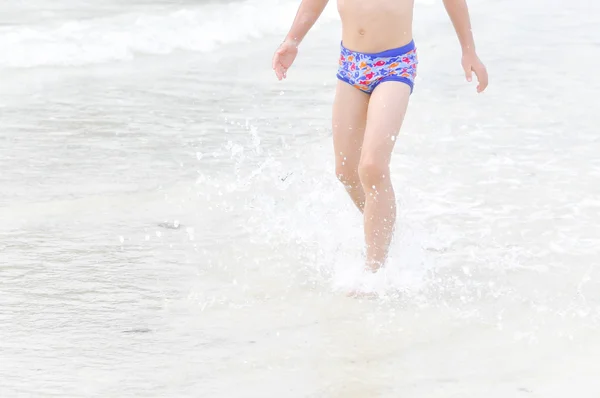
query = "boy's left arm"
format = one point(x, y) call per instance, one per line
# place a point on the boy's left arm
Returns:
point(459, 15)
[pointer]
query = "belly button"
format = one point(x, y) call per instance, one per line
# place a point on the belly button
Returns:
point(361, 32)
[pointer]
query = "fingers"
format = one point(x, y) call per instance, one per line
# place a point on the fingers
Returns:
point(275, 61)
point(468, 72)
point(482, 77)
point(280, 70)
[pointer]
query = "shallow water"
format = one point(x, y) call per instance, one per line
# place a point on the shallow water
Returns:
point(171, 225)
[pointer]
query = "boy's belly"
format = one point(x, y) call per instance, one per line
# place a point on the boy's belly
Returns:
point(375, 25)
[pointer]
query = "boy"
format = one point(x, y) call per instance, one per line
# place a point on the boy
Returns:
point(377, 68)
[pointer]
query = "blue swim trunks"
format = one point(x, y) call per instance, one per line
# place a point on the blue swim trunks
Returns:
point(366, 71)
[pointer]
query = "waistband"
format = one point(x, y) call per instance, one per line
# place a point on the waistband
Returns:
point(394, 52)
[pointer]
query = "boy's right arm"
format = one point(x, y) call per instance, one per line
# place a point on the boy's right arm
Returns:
point(308, 13)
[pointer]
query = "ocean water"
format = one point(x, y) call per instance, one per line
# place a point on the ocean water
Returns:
point(171, 225)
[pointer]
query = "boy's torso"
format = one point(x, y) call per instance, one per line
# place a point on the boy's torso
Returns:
point(375, 25)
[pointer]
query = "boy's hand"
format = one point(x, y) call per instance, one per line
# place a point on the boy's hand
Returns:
point(284, 57)
point(471, 63)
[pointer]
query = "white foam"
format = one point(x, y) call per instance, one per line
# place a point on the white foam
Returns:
point(200, 28)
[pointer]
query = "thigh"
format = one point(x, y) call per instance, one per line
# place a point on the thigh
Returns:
point(349, 121)
point(385, 115)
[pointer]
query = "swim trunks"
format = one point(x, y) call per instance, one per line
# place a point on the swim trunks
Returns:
point(366, 71)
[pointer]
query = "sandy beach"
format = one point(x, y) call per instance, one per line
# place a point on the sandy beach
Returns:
point(171, 225)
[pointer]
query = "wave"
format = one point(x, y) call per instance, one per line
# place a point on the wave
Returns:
point(200, 28)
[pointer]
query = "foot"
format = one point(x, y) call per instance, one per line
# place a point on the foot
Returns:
point(373, 266)
point(370, 285)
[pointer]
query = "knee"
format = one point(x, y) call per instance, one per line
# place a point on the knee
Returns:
point(372, 172)
point(346, 174)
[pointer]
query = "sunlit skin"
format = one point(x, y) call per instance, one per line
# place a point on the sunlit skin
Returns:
point(365, 126)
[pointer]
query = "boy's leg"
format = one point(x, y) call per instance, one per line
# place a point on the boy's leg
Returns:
point(385, 115)
point(349, 120)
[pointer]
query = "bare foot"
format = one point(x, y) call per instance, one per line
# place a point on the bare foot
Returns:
point(371, 282)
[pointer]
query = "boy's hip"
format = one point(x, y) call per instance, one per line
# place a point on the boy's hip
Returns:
point(366, 70)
